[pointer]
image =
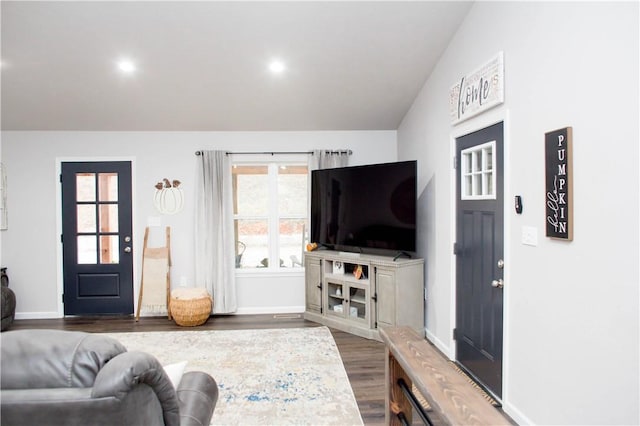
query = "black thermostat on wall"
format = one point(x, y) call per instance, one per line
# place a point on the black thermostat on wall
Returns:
point(518, 204)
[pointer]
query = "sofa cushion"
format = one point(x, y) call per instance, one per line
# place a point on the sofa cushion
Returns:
point(53, 358)
point(175, 372)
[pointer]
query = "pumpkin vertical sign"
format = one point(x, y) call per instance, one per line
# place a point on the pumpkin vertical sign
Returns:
point(559, 183)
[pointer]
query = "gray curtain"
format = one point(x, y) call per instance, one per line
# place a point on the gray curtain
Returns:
point(325, 159)
point(215, 254)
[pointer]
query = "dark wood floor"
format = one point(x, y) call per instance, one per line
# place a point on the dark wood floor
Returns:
point(363, 359)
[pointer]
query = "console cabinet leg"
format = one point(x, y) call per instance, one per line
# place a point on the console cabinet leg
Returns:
point(398, 407)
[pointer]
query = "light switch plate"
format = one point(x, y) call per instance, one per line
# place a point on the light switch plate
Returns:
point(530, 235)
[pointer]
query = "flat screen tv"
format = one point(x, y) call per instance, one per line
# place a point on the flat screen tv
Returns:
point(369, 208)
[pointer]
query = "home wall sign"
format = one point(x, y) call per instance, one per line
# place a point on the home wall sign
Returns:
point(479, 91)
point(559, 184)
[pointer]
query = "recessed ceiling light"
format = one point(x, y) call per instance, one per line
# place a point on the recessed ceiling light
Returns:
point(126, 66)
point(277, 66)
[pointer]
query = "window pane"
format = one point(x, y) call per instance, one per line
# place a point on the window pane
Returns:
point(109, 249)
point(477, 161)
point(466, 163)
point(292, 190)
point(488, 155)
point(489, 178)
point(85, 186)
point(87, 250)
point(109, 218)
point(253, 252)
point(108, 186)
point(477, 184)
point(466, 190)
point(86, 218)
point(291, 233)
point(251, 189)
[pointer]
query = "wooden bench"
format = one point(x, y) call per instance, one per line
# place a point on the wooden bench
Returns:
point(413, 361)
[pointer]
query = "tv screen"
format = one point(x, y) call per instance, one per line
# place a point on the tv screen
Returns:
point(365, 207)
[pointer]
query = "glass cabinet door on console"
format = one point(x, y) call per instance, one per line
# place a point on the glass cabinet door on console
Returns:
point(336, 302)
point(358, 297)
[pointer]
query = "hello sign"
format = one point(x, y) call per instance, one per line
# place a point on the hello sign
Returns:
point(479, 91)
point(559, 184)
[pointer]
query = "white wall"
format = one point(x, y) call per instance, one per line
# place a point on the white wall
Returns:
point(571, 308)
point(31, 248)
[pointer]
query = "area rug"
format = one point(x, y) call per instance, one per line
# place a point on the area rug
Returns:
point(266, 377)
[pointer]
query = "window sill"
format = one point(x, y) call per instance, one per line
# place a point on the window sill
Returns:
point(261, 272)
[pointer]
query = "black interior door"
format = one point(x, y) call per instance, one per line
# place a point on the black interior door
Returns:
point(96, 238)
point(479, 260)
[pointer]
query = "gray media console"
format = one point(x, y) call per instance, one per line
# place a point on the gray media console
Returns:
point(360, 293)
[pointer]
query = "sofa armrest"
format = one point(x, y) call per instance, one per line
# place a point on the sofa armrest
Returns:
point(55, 406)
point(197, 396)
point(129, 369)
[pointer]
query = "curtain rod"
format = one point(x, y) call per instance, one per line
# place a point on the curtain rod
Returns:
point(348, 152)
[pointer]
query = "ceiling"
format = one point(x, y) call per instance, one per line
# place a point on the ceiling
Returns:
point(203, 66)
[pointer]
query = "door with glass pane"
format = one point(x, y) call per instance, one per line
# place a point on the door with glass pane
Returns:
point(96, 238)
point(479, 255)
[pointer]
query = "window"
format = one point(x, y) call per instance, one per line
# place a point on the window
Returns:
point(270, 214)
point(478, 174)
point(97, 218)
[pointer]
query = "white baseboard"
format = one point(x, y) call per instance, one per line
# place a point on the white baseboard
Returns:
point(445, 349)
point(37, 315)
point(515, 414)
point(240, 311)
point(270, 310)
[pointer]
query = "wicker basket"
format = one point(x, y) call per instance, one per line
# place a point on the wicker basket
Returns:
point(190, 306)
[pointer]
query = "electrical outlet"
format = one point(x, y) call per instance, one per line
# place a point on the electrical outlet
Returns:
point(183, 281)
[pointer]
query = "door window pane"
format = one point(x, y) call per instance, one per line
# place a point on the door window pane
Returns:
point(108, 186)
point(86, 218)
point(109, 249)
point(87, 250)
point(85, 187)
point(109, 218)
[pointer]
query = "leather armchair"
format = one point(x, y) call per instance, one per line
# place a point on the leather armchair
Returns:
point(54, 377)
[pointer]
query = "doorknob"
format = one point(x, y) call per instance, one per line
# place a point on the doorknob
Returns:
point(127, 249)
point(497, 283)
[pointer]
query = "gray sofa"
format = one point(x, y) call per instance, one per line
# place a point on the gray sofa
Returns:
point(53, 377)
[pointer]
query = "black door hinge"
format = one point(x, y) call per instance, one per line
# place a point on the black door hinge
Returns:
point(456, 249)
point(63, 298)
point(455, 334)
